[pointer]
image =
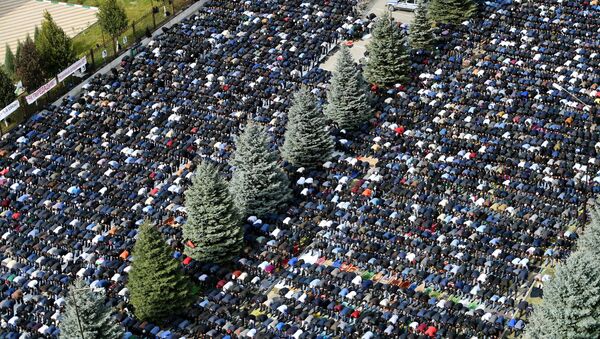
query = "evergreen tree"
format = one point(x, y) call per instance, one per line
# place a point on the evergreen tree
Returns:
point(36, 32)
point(86, 315)
point(157, 286)
point(213, 221)
point(258, 186)
point(348, 100)
point(28, 67)
point(7, 90)
point(388, 62)
point(571, 304)
point(451, 11)
point(9, 62)
point(589, 241)
point(18, 52)
point(421, 32)
point(307, 143)
point(112, 19)
point(54, 46)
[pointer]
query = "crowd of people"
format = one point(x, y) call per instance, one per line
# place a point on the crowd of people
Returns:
point(430, 222)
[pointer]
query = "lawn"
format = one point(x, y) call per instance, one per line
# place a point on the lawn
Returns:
point(136, 10)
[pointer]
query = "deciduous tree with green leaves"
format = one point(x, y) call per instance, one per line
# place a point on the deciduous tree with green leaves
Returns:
point(54, 46)
point(348, 95)
point(86, 315)
point(157, 286)
point(388, 61)
point(307, 142)
point(258, 185)
point(212, 231)
point(28, 67)
point(112, 19)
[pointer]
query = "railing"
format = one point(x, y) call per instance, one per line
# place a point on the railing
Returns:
point(96, 58)
point(136, 31)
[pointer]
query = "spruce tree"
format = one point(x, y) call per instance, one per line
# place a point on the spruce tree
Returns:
point(9, 62)
point(590, 239)
point(571, 304)
point(258, 185)
point(157, 286)
point(7, 90)
point(347, 97)
point(451, 11)
point(388, 61)
point(307, 142)
point(421, 32)
point(54, 46)
point(86, 315)
point(212, 230)
point(28, 66)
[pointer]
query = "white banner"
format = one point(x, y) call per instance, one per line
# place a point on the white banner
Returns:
point(31, 98)
point(72, 69)
point(6, 111)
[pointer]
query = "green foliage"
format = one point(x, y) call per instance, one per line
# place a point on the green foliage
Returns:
point(348, 97)
point(388, 62)
point(258, 186)
point(7, 90)
point(307, 142)
point(86, 315)
point(36, 32)
point(590, 239)
point(421, 32)
point(451, 11)
point(28, 67)
point(9, 62)
point(54, 46)
point(112, 18)
point(157, 286)
point(18, 51)
point(571, 304)
point(213, 221)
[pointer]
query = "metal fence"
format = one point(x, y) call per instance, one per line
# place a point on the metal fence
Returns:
point(98, 57)
point(106, 51)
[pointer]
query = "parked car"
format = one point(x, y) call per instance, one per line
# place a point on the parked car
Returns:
point(402, 5)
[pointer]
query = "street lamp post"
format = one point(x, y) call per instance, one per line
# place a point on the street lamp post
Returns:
point(560, 88)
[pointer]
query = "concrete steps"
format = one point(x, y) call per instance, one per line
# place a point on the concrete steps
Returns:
point(19, 17)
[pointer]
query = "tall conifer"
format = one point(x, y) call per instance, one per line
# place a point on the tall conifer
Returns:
point(258, 186)
point(307, 142)
point(387, 62)
point(347, 97)
point(212, 231)
point(157, 286)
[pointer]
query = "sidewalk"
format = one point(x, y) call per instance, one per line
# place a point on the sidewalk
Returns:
point(178, 18)
point(359, 48)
